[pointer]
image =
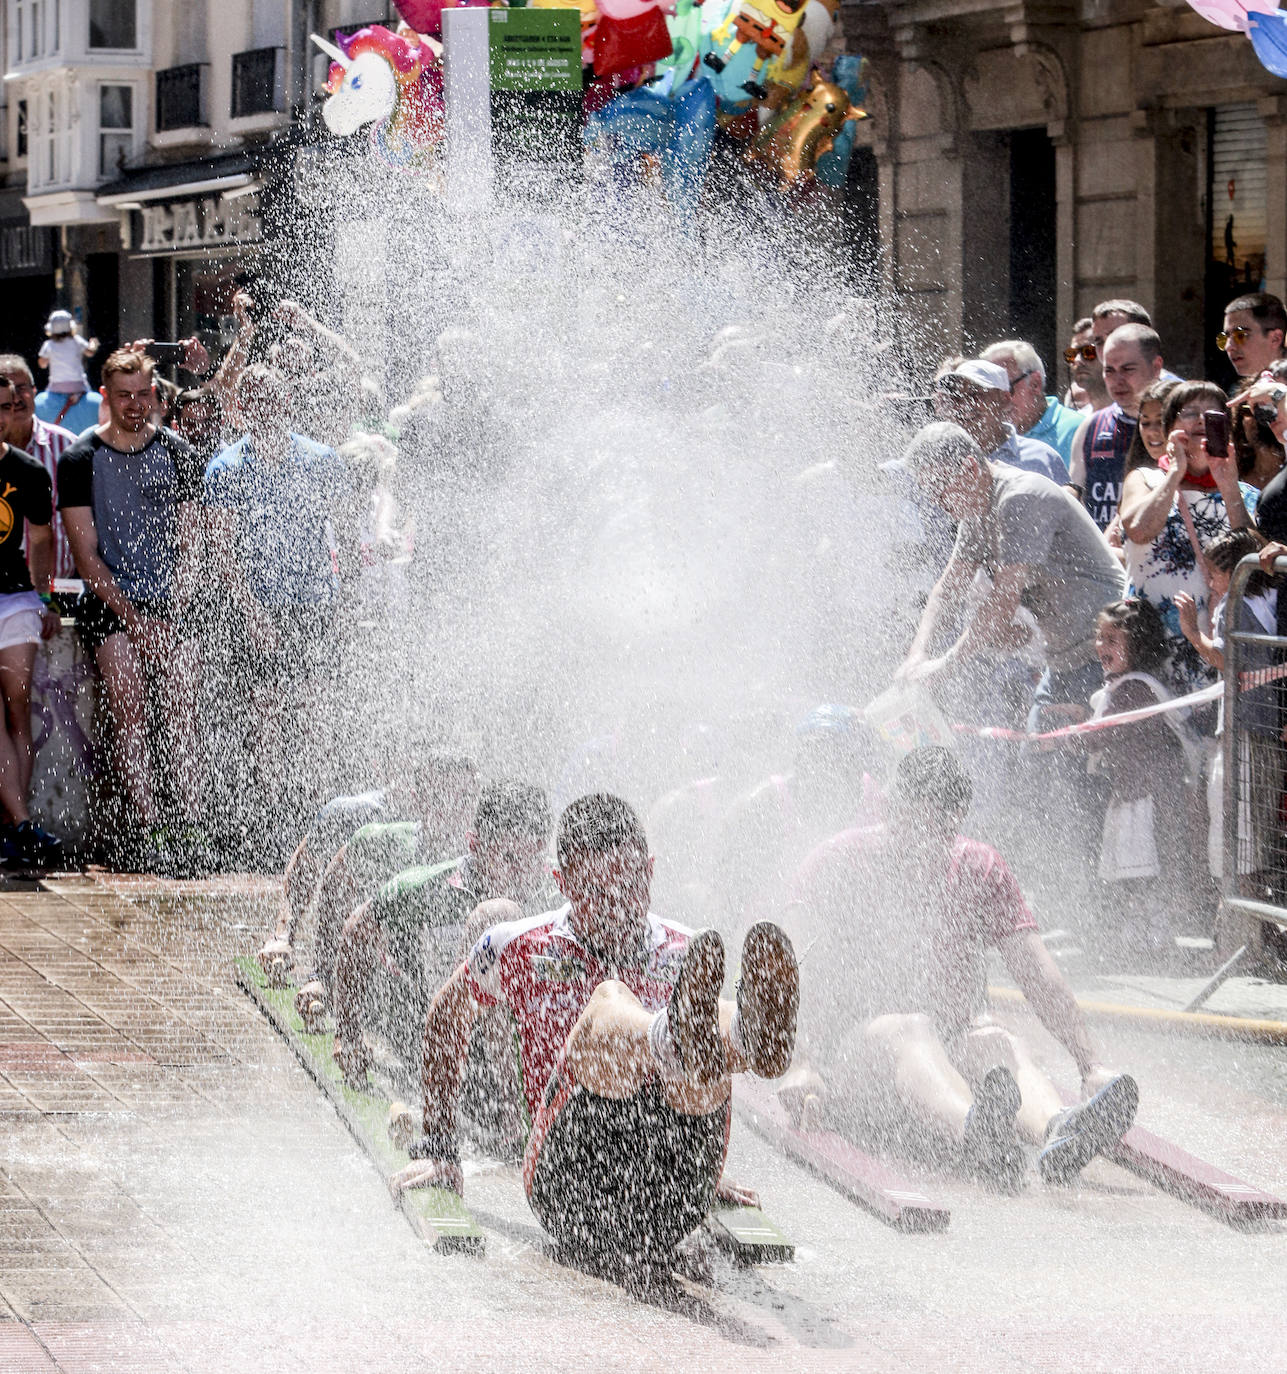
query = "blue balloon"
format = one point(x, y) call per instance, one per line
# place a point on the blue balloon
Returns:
point(679, 128)
point(1268, 34)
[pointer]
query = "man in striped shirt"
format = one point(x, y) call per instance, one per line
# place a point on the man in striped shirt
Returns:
point(45, 442)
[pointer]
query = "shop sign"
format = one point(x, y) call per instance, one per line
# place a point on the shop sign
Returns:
point(208, 222)
point(24, 251)
point(535, 49)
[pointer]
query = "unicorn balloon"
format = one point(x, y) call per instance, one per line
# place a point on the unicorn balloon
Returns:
point(392, 81)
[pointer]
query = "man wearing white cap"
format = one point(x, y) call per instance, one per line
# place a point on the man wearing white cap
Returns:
point(976, 395)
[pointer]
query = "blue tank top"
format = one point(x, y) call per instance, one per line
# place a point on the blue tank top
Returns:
point(1110, 437)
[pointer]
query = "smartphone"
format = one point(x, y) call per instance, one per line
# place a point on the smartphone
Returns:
point(167, 354)
point(1216, 423)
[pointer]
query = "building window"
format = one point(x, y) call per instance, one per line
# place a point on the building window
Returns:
point(115, 128)
point(29, 34)
point(257, 82)
point(178, 97)
point(21, 150)
point(113, 23)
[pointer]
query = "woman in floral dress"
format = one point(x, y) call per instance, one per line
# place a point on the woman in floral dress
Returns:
point(1186, 499)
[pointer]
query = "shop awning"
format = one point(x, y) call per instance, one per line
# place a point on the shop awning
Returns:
point(223, 172)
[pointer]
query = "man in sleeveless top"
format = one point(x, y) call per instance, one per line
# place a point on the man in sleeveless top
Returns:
point(1132, 360)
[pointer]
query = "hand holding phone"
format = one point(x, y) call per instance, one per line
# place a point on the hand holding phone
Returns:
point(1216, 423)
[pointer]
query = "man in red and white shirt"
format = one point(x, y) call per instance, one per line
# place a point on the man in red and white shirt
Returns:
point(626, 1047)
point(46, 443)
point(898, 918)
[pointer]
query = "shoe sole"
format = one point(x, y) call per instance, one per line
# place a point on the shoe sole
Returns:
point(992, 1113)
point(768, 997)
point(693, 1011)
point(1100, 1124)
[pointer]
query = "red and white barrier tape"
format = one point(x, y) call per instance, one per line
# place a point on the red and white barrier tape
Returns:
point(1258, 677)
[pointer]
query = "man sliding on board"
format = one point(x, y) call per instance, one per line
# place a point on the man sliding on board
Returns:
point(898, 918)
point(626, 1047)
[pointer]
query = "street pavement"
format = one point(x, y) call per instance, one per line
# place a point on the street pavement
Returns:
point(176, 1195)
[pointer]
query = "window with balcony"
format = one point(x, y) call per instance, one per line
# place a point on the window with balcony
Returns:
point(115, 128)
point(179, 97)
point(257, 86)
point(113, 23)
point(49, 139)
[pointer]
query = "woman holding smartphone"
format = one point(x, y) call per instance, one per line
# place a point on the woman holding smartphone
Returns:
point(1173, 508)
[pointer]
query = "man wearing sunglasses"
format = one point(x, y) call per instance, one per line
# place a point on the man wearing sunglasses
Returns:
point(45, 442)
point(1086, 391)
point(1255, 327)
point(977, 396)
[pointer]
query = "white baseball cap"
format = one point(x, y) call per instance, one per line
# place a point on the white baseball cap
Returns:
point(989, 376)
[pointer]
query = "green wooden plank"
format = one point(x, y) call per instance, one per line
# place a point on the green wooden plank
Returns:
point(750, 1236)
point(438, 1214)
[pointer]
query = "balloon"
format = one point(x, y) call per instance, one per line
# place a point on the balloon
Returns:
point(746, 28)
point(425, 16)
point(793, 140)
point(632, 9)
point(833, 167)
point(1228, 14)
point(1268, 36)
point(620, 44)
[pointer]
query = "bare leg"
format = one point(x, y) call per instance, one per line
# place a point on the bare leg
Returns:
point(16, 664)
point(902, 1063)
point(608, 1053)
point(985, 1046)
point(122, 672)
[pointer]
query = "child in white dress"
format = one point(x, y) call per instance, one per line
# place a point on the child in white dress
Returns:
point(63, 354)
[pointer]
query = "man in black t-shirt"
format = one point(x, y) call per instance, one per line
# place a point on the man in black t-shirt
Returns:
point(129, 495)
point(26, 617)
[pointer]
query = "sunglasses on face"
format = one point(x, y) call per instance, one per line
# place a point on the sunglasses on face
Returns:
point(1237, 336)
point(1086, 352)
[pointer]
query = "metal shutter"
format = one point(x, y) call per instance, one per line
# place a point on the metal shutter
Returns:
point(1239, 150)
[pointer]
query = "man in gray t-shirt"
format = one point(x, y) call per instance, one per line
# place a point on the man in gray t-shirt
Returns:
point(1040, 550)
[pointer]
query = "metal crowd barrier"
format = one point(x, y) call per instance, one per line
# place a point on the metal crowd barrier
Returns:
point(1254, 870)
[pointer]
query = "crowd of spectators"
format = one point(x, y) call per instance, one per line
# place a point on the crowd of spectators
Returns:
point(206, 543)
point(1095, 538)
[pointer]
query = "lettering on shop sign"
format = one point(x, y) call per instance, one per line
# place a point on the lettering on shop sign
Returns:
point(24, 251)
point(203, 223)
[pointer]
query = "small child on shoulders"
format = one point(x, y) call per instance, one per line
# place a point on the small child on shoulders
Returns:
point(1151, 767)
point(63, 354)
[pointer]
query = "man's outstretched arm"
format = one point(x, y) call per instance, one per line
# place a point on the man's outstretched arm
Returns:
point(1052, 999)
point(446, 1047)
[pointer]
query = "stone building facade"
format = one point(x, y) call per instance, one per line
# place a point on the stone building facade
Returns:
point(1030, 159)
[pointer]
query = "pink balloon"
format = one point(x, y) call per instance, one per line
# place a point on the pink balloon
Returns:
point(631, 9)
point(1228, 14)
point(425, 16)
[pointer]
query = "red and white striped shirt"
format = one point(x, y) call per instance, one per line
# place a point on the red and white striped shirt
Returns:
point(47, 445)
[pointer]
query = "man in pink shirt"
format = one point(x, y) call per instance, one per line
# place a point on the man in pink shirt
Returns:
point(897, 920)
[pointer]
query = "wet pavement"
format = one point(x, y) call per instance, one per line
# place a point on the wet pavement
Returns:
point(176, 1195)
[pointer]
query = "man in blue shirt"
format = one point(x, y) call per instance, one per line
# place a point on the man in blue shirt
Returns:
point(1034, 414)
point(976, 396)
point(282, 529)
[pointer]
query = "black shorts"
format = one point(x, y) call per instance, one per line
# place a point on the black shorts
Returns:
point(621, 1181)
point(96, 622)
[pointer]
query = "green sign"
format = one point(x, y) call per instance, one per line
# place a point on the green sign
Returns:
point(535, 50)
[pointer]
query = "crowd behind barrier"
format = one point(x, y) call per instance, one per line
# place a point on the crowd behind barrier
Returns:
point(225, 556)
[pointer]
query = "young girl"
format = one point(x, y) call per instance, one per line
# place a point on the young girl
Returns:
point(1150, 766)
point(63, 353)
point(1261, 757)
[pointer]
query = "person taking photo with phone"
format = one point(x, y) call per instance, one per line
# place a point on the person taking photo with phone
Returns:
point(1173, 509)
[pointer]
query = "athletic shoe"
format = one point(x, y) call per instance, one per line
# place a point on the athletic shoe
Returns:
point(768, 996)
point(32, 847)
point(990, 1150)
point(692, 1014)
point(1076, 1136)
